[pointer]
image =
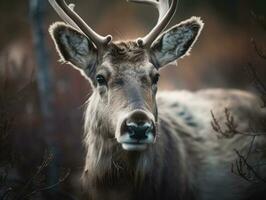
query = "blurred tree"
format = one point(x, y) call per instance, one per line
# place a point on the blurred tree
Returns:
point(45, 81)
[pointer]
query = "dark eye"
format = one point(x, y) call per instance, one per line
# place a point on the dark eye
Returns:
point(155, 79)
point(101, 80)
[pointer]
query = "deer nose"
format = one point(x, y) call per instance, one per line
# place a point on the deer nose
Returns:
point(139, 131)
point(138, 125)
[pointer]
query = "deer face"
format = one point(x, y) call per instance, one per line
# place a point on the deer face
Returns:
point(127, 83)
point(124, 75)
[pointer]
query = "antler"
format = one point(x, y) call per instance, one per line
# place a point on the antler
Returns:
point(67, 13)
point(166, 13)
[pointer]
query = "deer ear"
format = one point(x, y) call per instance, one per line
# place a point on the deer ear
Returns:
point(74, 47)
point(176, 42)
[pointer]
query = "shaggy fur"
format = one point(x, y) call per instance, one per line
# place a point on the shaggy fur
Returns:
point(187, 160)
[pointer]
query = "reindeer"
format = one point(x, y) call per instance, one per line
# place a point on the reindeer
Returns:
point(136, 150)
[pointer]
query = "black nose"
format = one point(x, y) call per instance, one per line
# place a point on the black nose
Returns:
point(139, 131)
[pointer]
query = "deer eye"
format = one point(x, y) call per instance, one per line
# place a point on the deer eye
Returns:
point(101, 80)
point(155, 79)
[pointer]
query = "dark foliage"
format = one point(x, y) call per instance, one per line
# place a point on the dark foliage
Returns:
point(13, 184)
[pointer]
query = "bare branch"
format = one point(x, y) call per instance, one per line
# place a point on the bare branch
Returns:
point(257, 83)
point(259, 19)
point(243, 169)
point(61, 180)
point(47, 158)
point(231, 126)
point(258, 50)
point(6, 194)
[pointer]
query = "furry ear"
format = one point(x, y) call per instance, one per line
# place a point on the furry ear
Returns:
point(74, 47)
point(176, 42)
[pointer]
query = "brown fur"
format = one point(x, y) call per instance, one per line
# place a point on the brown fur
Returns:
point(125, 52)
point(187, 160)
point(174, 167)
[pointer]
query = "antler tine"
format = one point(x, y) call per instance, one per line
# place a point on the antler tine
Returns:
point(67, 13)
point(150, 2)
point(162, 6)
point(166, 13)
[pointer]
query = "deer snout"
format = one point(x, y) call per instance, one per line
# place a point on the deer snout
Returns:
point(137, 131)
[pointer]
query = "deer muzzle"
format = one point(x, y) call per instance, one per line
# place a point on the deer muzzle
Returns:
point(137, 131)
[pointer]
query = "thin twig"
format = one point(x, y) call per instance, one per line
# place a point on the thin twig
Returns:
point(258, 84)
point(231, 126)
point(258, 50)
point(250, 147)
point(6, 194)
point(46, 160)
point(259, 19)
point(241, 163)
point(48, 187)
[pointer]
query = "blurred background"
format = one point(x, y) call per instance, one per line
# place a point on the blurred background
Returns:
point(42, 101)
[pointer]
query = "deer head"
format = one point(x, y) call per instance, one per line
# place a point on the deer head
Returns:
point(124, 75)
